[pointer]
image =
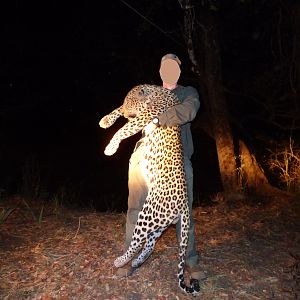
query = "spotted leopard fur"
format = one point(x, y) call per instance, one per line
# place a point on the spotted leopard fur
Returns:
point(163, 169)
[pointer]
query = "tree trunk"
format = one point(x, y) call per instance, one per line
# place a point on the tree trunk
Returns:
point(252, 176)
point(218, 110)
point(202, 41)
point(211, 76)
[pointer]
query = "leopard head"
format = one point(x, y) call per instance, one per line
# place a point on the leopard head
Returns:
point(137, 101)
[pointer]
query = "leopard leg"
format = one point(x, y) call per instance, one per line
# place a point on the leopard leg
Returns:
point(148, 247)
point(127, 256)
point(136, 244)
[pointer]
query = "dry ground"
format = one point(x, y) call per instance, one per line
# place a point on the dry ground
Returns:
point(249, 250)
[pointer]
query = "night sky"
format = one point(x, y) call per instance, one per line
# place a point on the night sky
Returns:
point(65, 65)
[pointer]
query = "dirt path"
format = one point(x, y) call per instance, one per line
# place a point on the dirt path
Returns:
point(248, 251)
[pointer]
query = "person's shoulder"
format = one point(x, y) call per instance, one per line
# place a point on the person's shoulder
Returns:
point(186, 87)
point(189, 90)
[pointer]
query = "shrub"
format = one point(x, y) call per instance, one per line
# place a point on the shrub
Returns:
point(284, 163)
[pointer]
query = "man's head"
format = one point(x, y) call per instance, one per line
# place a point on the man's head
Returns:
point(170, 69)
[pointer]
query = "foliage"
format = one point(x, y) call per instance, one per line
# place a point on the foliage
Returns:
point(5, 214)
point(284, 161)
point(67, 194)
point(112, 201)
point(22, 209)
point(31, 179)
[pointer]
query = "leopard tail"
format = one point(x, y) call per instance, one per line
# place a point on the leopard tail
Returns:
point(194, 284)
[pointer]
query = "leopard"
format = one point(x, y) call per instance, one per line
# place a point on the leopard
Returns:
point(163, 170)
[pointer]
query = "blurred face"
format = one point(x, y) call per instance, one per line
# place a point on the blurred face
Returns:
point(169, 71)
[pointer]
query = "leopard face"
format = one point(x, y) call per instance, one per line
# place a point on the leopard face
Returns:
point(137, 101)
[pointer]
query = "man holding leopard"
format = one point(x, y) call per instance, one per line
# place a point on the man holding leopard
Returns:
point(181, 114)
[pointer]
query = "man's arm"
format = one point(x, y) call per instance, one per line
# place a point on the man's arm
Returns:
point(184, 112)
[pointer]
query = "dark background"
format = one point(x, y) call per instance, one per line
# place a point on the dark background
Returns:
point(65, 65)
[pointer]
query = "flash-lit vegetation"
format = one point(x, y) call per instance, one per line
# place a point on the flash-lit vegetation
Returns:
point(284, 161)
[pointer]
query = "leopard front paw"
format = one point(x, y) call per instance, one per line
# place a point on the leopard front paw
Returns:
point(105, 122)
point(111, 149)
